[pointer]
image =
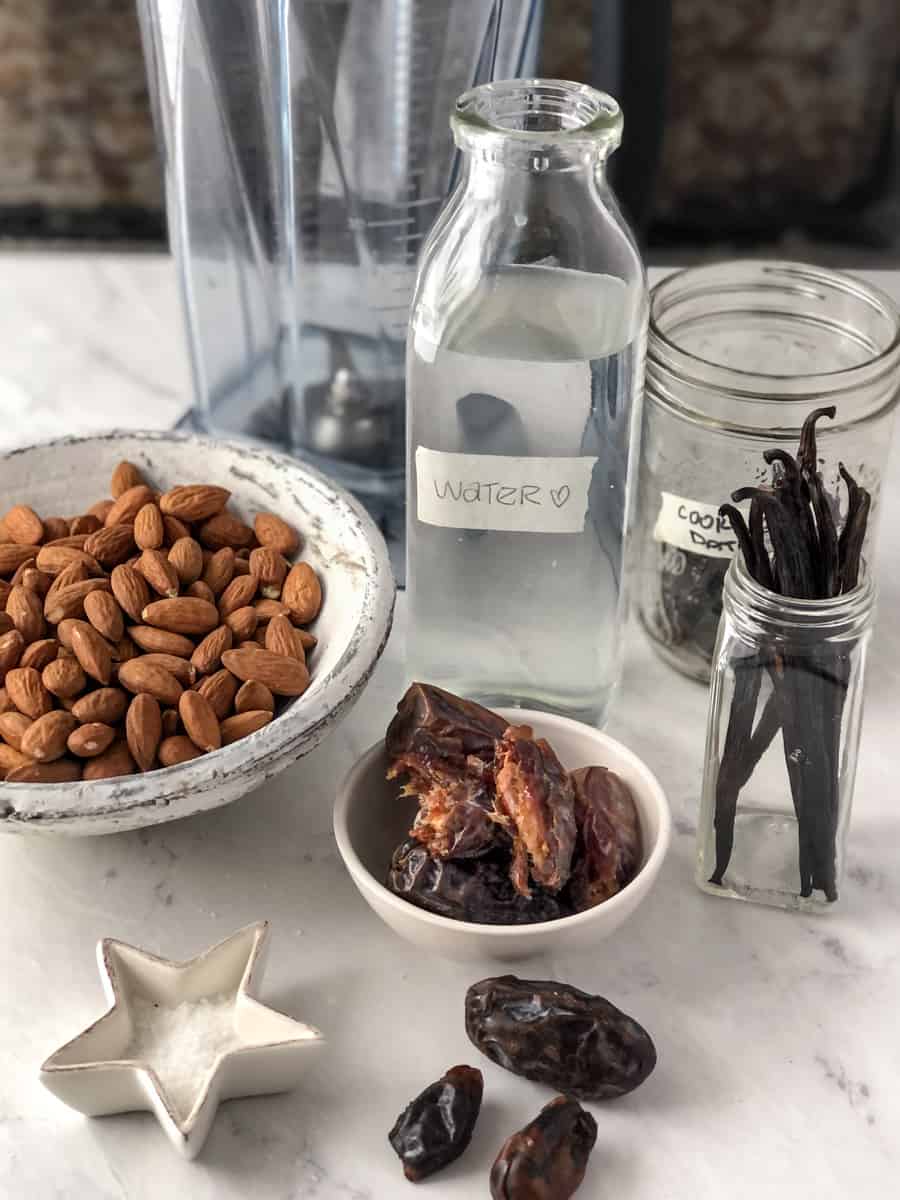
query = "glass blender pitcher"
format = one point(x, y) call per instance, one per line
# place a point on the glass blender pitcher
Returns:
point(307, 153)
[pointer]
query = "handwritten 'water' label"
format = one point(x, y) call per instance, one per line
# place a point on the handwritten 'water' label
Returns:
point(492, 491)
point(694, 525)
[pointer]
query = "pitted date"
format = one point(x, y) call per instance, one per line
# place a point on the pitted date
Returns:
point(547, 1159)
point(608, 850)
point(558, 1035)
point(435, 1128)
point(477, 889)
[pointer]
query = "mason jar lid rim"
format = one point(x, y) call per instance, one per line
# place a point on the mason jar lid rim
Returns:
point(734, 379)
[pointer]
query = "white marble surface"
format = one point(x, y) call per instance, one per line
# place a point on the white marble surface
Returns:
point(779, 1058)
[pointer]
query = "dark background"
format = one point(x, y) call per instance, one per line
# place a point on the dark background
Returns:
point(752, 126)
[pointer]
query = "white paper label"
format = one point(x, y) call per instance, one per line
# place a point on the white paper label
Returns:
point(694, 525)
point(491, 491)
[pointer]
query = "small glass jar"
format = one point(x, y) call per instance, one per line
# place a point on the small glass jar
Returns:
point(738, 354)
point(524, 371)
point(784, 721)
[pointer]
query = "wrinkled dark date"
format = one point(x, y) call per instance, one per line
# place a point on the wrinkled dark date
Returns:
point(432, 725)
point(474, 889)
point(609, 849)
point(547, 1159)
point(435, 1128)
point(555, 1034)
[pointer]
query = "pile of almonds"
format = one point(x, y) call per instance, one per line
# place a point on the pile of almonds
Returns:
point(150, 630)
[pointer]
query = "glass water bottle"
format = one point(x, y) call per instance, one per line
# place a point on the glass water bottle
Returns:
point(524, 373)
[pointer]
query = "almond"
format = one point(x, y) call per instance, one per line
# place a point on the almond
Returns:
point(12, 647)
point(36, 581)
point(46, 738)
point(282, 676)
point(239, 593)
point(194, 502)
point(224, 529)
point(64, 770)
point(271, 531)
point(148, 528)
point(20, 572)
point(54, 559)
point(27, 692)
point(270, 568)
point(177, 749)
point(92, 651)
point(267, 609)
point(207, 656)
point(254, 696)
point(201, 590)
point(125, 476)
point(6, 705)
point(174, 529)
point(184, 671)
point(74, 573)
point(127, 506)
point(187, 559)
point(64, 633)
point(12, 556)
point(171, 722)
point(87, 524)
point(280, 639)
point(131, 590)
point(11, 760)
point(124, 649)
point(87, 741)
point(55, 527)
point(101, 509)
point(302, 593)
point(199, 720)
point(143, 729)
point(13, 727)
point(105, 704)
point(104, 614)
point(184, 614)
point(219, 571)
point(141, 676)
point(219, 690)
point(23, 525)
point(159, 573)
point(26, 611)
point(40, 654)
point(242, 623)
point(161, 641)
point(68, 602)
point(308, 641)
point(64, 678)
point(242, 724)
point(111, 545)
point(111, 763)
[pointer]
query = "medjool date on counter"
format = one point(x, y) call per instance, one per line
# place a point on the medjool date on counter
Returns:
point(477, 890)
point(558, 1035)
point(436, 1127)
point(547, 1159)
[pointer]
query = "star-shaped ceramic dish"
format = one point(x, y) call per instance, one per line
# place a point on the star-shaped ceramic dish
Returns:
point(179, 1037)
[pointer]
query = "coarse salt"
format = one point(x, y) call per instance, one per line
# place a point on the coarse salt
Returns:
point(181, 1043)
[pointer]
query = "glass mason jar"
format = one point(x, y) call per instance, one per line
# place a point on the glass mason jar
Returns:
point(738, 354)
point(784, 721)
point(524, 372)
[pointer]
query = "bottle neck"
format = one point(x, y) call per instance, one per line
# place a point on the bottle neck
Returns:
point(758, 614)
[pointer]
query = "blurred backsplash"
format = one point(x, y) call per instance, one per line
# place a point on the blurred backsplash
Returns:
point(746, 122)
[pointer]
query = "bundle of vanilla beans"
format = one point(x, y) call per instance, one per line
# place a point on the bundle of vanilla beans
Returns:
point(791, 545)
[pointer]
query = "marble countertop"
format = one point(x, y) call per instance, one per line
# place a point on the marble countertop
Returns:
point(777, 1033)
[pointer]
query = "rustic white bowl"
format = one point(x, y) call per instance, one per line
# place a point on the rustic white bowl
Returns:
point(63, 478)
point(371, 819)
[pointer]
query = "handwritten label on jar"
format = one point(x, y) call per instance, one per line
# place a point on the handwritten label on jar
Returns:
point(491, 491)
point(694, 525)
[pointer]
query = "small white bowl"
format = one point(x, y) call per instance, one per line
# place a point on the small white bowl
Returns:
point(340, 539)
point(371, 819)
